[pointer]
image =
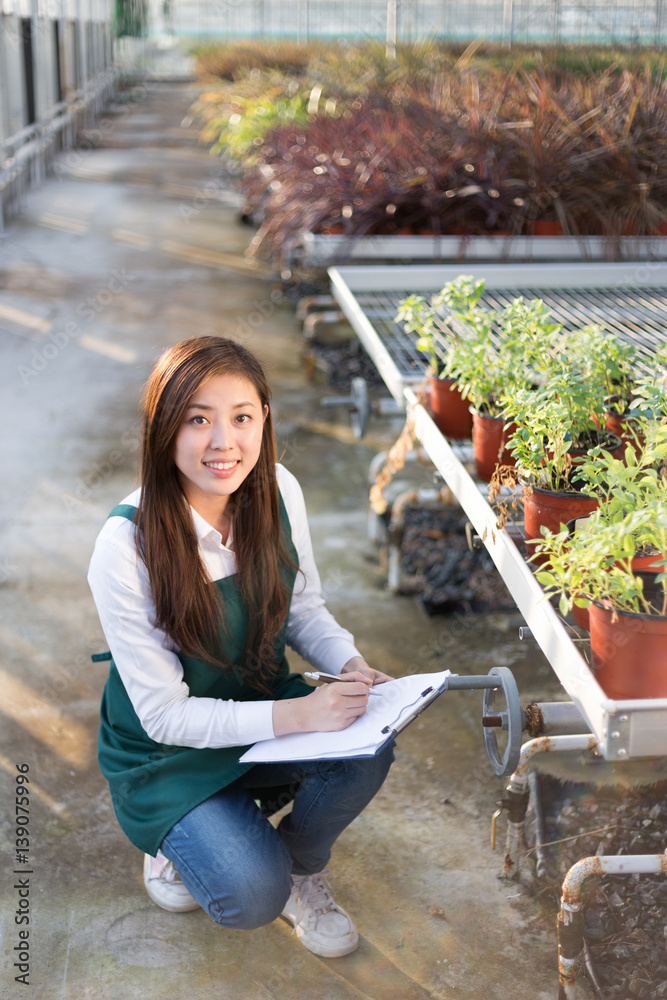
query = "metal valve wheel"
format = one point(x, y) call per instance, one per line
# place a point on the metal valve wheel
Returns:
point(510, 721)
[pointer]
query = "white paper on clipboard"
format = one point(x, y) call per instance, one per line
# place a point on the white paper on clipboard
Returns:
point(401, 701)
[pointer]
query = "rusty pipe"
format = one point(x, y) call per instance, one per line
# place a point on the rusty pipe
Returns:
point(313, 318)
point(570, 917)
point(395, 538)
point(307, 303)
point(544, 718)
point(536, 799)
point(547, 744)
point(570, 946)
point(516, 793)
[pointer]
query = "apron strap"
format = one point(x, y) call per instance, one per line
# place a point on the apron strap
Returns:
point(124, 510)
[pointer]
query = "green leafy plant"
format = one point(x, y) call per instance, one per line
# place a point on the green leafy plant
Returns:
point(238, 119)
point(483, 350)
point(649, 393)
point(556, 417)
point(498, 349)
point(474, 360)
point(595, 563)
point(433, 333)
point(630, 483)
point(451, 325)
point(609, 362)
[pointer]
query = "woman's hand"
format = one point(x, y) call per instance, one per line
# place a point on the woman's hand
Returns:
point(329, 708)
point(357, 665)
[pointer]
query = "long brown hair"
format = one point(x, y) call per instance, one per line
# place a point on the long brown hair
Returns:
point(187, 606)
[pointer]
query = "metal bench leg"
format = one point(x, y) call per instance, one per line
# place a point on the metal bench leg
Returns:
point(517, 791)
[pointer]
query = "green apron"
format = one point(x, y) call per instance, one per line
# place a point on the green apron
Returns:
point(153, 785)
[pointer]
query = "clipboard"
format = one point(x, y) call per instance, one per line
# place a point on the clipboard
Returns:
point(403, 700)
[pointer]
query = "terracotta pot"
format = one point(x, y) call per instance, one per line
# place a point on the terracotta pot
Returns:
point(610, 442)
point(638, 564)
point(450, 411)
point(581, 616)
point(551, 509)
point(489, 435)
point(646, 564)
point(629, 655)
point(622, 427)
point(547, 227)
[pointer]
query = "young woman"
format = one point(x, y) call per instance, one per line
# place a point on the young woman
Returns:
point(201, 577)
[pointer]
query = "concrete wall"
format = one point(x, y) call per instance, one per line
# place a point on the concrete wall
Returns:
point(50, 50)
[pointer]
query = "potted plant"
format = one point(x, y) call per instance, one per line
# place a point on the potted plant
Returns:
point(627, 484)
point(613, 364)
point(646, 405)
point(498, 350)
point(632, 481)
point(434, 338)
point(557, 429)
point(628, 607)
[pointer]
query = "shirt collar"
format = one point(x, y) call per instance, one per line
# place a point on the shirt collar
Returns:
point(206, 532)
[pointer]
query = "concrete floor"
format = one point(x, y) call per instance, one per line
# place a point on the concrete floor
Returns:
point(132, 246)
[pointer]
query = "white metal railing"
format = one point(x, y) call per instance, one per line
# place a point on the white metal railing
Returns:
point(28, 155)
point(400, 21)
point(318, 250)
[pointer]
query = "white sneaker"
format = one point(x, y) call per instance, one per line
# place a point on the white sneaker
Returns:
point(321, 925)
point(164, 886)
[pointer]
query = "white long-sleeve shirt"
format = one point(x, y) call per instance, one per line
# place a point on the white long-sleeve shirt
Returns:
point(146, 657)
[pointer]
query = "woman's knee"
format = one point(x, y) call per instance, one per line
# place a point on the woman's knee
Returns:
point(369, 772)
point(251, 901)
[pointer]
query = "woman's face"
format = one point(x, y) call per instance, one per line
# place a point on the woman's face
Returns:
point(219, 441)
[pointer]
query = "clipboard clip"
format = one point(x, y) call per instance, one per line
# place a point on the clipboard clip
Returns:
point(398, 725)
point(511, 721)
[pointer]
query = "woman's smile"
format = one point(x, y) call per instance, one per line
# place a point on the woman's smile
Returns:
point(222, 468)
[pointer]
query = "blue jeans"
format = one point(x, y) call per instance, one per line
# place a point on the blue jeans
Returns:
point(237, 866)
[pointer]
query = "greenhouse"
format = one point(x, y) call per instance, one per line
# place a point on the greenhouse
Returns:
point(333, 549)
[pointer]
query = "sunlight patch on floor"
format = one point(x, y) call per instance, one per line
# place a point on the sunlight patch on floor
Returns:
point(61, 734)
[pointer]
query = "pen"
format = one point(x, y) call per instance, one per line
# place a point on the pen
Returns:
point(320, 676)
